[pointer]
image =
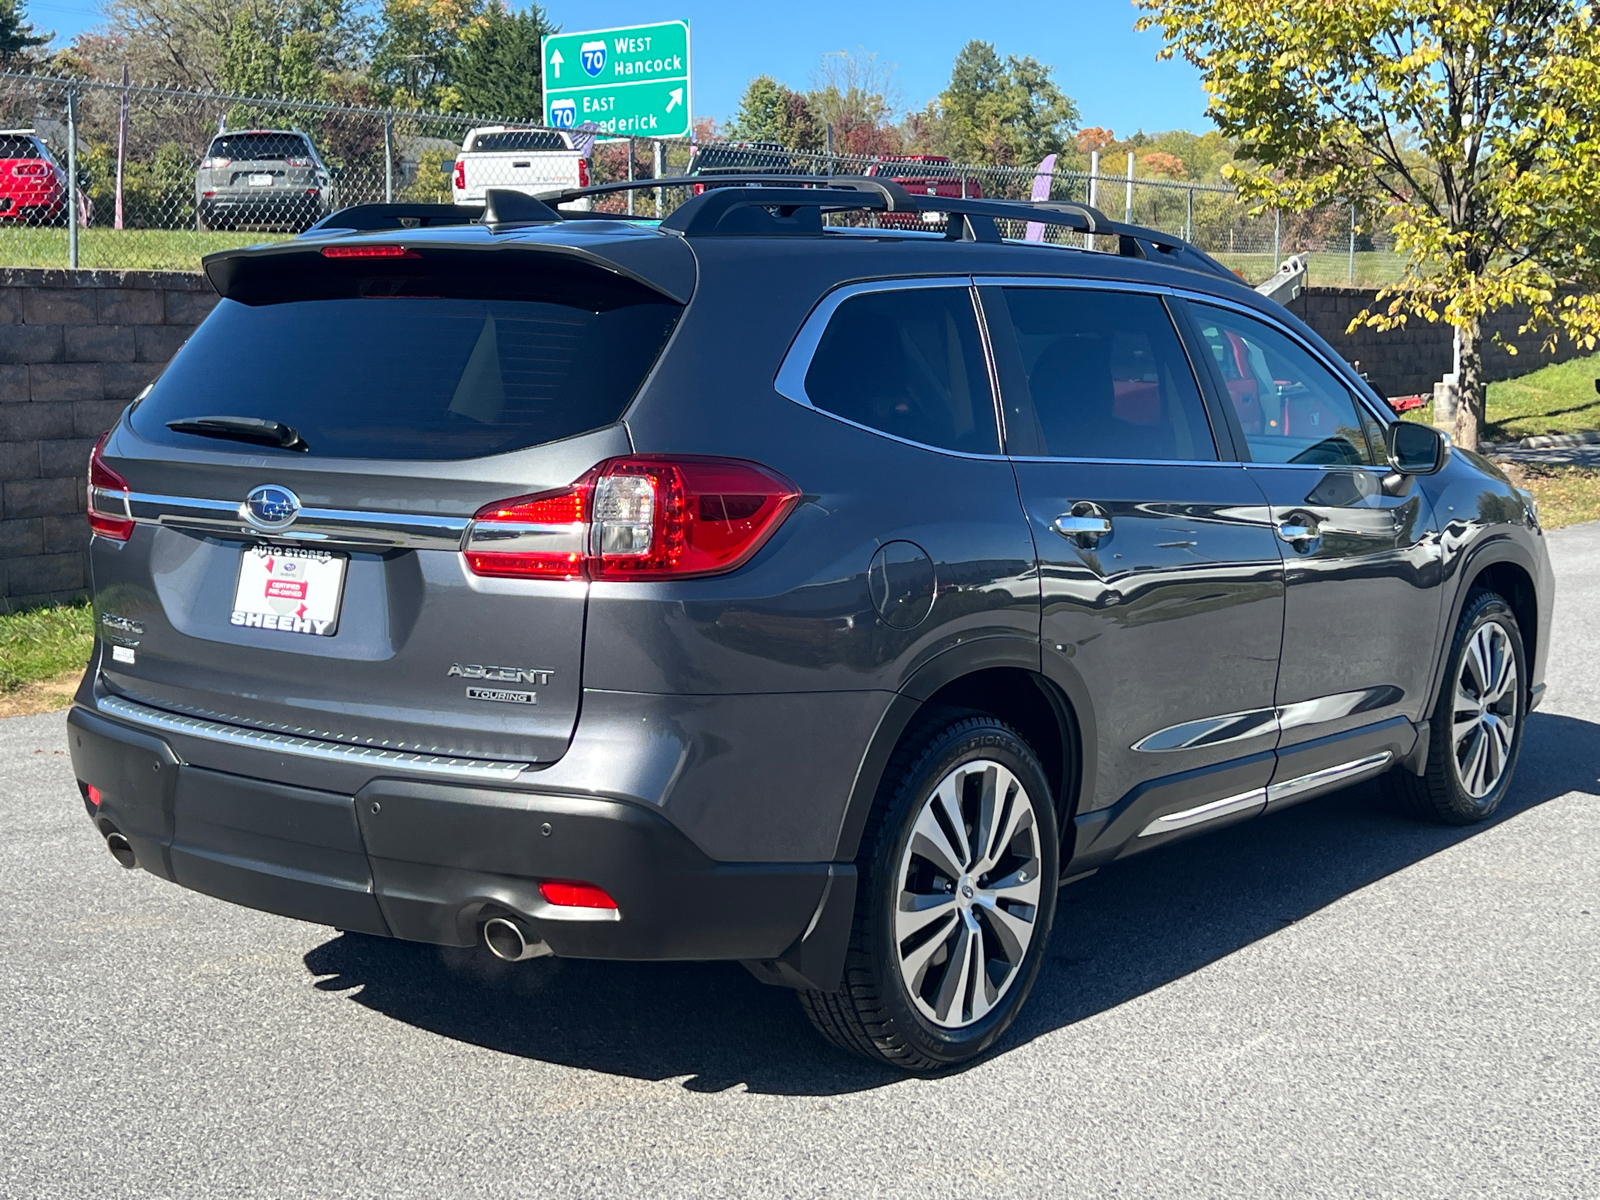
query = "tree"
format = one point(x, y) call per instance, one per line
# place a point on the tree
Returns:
point(1473, 128)
point(858, 95)
point(290, 48)
point(16, 32)
point(1007, 112)
point(414, 53)
point(769, 111)
point(172, 43)
point(498, 68)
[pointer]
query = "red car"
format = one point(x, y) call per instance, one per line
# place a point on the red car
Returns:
point(33, 186)
point(925, 174)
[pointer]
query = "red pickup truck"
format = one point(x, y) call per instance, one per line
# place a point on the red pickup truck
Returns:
point(928, 174)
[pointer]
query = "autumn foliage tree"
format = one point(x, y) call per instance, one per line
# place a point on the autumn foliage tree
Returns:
point(1472, 128)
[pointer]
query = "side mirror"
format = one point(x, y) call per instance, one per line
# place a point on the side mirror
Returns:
point(1416, 449)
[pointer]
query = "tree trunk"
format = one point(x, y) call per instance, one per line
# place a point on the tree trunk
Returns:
point(1470, 393)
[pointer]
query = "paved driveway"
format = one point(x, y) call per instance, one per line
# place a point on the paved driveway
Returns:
point(1328, 1002)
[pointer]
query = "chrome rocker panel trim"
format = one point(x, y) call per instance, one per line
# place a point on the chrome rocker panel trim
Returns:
point(1271, 797)
point(475, 769)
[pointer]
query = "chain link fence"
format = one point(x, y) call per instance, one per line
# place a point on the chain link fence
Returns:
point(96, 174)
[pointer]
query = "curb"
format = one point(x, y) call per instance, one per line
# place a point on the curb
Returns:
point(1544, 441)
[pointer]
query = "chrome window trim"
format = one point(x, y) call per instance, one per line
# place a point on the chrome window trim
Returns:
point(351, 527)
point(477, 769)
point(790, 381)
point(1107, 285)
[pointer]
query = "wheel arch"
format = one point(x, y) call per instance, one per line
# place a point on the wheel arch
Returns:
point(1005, 682)
point(1506, 568)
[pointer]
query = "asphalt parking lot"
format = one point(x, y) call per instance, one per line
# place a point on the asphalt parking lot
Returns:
point(1329, 1002)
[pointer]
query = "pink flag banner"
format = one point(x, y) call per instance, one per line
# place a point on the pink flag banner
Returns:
point(1042, 179)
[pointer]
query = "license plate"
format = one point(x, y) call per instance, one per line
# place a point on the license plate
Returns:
point(290, 589)
point(261, 181)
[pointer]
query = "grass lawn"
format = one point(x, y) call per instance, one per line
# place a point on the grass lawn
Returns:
point(42, 655)
point(1555, 399)
point(122, 249)
point(1566, 495)
point(1374, 268)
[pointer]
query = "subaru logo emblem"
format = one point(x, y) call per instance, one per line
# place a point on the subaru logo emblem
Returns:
point(270, 507)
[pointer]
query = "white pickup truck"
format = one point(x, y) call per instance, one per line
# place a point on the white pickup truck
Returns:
point(521, 159)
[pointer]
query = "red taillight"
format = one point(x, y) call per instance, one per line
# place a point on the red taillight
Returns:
point(566, 894)
point(30, 170)
point(214, 164)
point(583, 172)
point(531, 537)
point(382, 251)
point(93, 794)
point(297, 162)
point(461, 174)
point(635, 518)
point(699, 189)
point(108, 498)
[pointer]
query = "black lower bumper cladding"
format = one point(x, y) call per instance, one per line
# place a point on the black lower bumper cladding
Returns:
point(429, 862)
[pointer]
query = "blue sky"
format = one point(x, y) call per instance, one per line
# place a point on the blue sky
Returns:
point(1099, 60)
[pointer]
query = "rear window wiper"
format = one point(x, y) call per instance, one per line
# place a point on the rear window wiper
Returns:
point(242, 429)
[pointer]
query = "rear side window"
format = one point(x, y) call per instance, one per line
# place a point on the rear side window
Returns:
point(415, 360)
point(518, 139)
point(1292, 408)
point(14, 146)
point(1095, 374)
point(908, 362)
point(260, 146)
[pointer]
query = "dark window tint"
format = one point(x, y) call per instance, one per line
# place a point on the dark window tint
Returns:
point(411, 362)
point(755, 157)
point(1104, 376)
point(519, 139)
point(914, 170)
point(14, 146)
point(1290, 406)
point(908, 362)
point(259, 147)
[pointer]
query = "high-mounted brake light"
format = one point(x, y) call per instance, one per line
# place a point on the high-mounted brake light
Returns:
point(568, 894)
point(635, 518)
point(108, 498)
point(461, 175)
point(379, 251)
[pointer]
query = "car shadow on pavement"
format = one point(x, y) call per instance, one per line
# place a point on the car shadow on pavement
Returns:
point(1132, 928)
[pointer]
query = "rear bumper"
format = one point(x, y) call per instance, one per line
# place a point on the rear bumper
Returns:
point(429, 861)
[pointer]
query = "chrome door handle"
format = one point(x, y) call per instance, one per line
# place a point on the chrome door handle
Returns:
point(1295, 534)
point(1085, 530)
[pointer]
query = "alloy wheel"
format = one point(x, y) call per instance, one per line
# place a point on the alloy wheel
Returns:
point(967, 892)
point(1484, 717)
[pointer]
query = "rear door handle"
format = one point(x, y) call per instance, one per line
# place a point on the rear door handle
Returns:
point(1295, 533)
point(1085, 530)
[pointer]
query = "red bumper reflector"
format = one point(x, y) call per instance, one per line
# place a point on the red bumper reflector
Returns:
point(566, 894)
point(381, 251)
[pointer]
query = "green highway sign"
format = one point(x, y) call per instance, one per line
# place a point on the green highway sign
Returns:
point(631, 82)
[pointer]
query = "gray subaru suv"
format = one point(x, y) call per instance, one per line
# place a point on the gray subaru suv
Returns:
point(765, 584)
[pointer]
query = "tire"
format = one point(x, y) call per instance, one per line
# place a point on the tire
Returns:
point(901, 974)
point(1469, 768)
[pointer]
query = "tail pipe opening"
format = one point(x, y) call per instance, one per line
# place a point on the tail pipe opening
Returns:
point(121, 849)
point(513, 941)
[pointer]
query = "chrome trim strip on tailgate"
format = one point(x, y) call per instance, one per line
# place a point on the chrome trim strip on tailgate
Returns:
point(415, 531)
point(484, 770)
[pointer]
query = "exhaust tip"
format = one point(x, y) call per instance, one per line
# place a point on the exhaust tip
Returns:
point(509, 941)
point(121, 850)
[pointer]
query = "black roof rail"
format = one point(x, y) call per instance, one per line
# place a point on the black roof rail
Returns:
point(782, 196)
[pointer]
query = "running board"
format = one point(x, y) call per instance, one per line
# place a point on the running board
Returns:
point(1273, 796)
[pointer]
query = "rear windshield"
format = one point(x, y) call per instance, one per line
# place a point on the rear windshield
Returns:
point(519, 139)
point(416, 361)
point(258, 146)
point(15, 146)
point(750, 158)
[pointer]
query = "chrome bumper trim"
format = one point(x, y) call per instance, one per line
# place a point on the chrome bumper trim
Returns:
point(346, 527)
point(477, 769)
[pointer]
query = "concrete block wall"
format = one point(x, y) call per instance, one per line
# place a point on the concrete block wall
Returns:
point(1410, 360)
point(75, 348)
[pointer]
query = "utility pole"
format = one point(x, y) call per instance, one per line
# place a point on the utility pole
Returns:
point(659, 169)
point(388, 159)
point(1352, 243)
point(1094, 192)
point(1127, 208)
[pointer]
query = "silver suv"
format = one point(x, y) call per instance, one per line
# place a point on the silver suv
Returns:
point(261, 179)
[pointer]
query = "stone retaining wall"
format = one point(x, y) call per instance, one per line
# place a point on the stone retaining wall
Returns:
point(1409, 361)
point(75, 347)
